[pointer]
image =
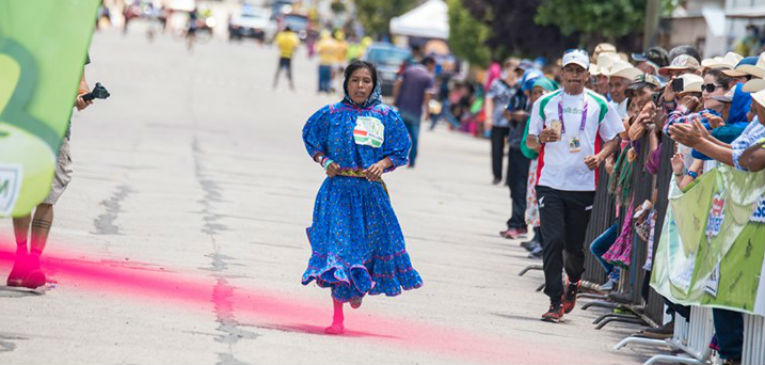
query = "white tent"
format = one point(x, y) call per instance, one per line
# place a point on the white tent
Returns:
point(429, 20)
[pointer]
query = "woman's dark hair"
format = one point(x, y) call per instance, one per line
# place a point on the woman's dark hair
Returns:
point(720, 77)
point(355, 65)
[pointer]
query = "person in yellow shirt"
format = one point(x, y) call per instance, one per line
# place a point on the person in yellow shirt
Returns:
point(287, 41)
point(341, 51)
point(326, 50)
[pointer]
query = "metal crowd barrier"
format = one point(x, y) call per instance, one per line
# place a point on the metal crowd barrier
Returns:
point(692, 337)
point(629, 297)
point(754, 340)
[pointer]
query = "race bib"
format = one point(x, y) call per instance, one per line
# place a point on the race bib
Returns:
point(369, 131)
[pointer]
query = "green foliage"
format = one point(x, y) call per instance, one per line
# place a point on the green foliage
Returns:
point(375, 15)
point(337, 7)
point(609, 19)
point(467, 35)
point(606, 19)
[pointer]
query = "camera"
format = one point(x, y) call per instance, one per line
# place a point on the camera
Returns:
point(98, 92)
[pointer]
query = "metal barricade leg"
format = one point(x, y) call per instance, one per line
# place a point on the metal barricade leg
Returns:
point(601, 304)
point(754, 340)
point(664, 359)
point(643, 341)
point(530, 267)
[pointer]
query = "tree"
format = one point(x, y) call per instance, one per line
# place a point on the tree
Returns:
point(467, 35)
point(375, 15)
point(512, 30)
point(596, 20)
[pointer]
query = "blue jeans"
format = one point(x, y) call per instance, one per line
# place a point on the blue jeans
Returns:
point(602, 243)
point(325, 77)
point(412, 124)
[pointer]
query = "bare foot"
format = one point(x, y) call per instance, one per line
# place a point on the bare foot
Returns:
point(335, 329)
point(356, 302)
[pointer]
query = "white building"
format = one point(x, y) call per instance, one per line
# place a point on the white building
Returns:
point(713, 26)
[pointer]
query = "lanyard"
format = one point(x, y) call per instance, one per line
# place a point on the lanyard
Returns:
point(563, 125)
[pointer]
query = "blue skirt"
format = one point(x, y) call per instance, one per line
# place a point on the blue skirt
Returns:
point(357, 244)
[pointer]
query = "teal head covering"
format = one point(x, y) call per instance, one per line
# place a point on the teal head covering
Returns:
point(548, 85)
point(545, 83)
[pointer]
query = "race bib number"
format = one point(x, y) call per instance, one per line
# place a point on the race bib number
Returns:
point(10, 184)
point(369, 131)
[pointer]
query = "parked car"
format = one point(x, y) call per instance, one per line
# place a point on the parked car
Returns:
point(252, 22)
point(388, 59)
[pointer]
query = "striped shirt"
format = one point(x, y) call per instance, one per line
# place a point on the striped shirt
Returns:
point(753, 132)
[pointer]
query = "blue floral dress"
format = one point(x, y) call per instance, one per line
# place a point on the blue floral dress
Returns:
point(357, 244)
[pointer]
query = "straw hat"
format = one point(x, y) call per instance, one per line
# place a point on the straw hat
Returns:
point(624, 70)
point(606, 61)
point(647, 79)
point(748, 66)
point(757, 70)
point(729, 61)
point(754, 85)
point(681, 62)
point(759, 97)
point(691, 83)
point(602, 48)
point(595, 70)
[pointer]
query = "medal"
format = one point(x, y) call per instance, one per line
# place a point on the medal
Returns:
point(574, 144)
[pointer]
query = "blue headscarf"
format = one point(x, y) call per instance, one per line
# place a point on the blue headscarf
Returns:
point(736, 123)
point(373, 99)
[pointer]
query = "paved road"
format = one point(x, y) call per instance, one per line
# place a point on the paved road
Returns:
point(181, 238)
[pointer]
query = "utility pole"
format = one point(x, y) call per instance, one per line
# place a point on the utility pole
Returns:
point(652, 13)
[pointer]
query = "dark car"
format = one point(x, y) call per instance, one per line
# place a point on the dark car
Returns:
point(388, 59)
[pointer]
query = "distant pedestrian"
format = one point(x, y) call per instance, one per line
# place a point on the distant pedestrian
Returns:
point(191, 29)
point(412, 93)
point(497, 98)
point(287, 41)
point(326, 50)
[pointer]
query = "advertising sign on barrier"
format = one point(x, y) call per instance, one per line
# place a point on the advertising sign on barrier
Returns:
point(43, 46)
point(712, 244)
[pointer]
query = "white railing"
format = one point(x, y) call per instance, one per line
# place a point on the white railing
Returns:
point(691, 337)
point(754, 340)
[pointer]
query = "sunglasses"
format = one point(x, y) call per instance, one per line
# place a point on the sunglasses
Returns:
point(710, 88)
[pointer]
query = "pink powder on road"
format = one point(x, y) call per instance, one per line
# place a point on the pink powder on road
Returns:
point(289, 313)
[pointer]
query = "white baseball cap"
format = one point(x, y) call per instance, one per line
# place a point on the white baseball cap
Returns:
point(576, 56)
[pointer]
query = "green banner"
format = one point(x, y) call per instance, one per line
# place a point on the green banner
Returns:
point(712, 244)
point(43, 46)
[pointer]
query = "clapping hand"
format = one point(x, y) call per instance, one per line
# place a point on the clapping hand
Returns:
point(678, 164)
point(714, 120)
